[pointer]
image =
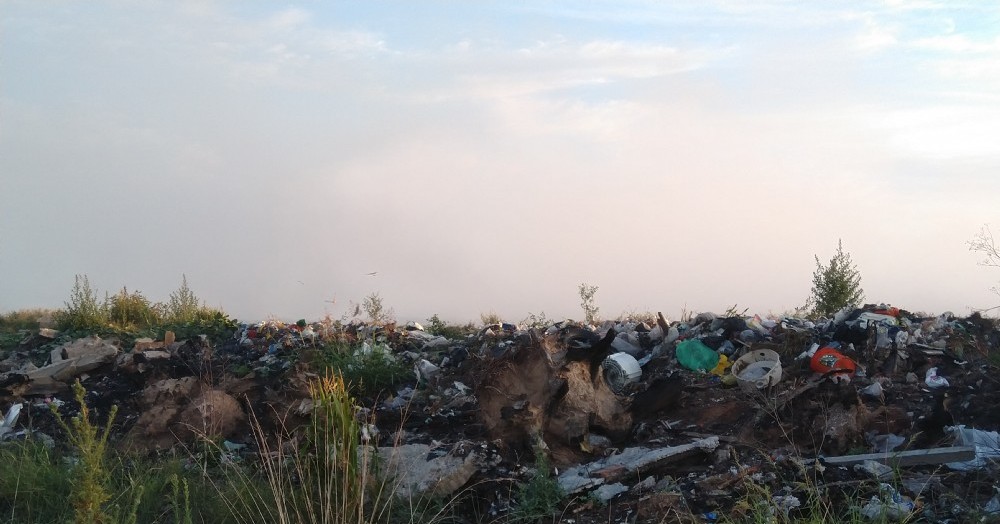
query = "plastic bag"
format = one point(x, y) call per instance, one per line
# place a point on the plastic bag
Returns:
point(696, 356)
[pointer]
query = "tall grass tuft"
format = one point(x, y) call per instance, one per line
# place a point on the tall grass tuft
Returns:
point(318, 480)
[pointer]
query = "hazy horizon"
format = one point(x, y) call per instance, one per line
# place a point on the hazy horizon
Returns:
point(490, 158)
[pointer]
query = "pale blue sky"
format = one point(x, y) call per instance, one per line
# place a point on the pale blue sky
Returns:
point(489, 157)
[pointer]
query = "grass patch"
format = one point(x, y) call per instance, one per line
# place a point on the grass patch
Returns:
point(24, 319)
point(33, 481)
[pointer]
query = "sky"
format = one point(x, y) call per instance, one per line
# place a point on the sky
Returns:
point(489, 157)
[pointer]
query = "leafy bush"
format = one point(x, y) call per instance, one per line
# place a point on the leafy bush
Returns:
point(84, 312)
point(491, 318)
point(836, 285)
point(128, 311)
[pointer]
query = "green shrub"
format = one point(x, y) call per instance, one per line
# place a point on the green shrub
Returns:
point(130, 311)
point(84, 312)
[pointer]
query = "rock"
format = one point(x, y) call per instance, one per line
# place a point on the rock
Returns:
point(416, 475)
point(148, 356)
point(212, 414)
point(47, 333)
point(644, 485)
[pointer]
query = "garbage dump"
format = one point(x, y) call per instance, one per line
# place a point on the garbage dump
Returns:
point(888, 413)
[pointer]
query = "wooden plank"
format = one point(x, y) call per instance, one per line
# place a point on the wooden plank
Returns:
point(915, 457)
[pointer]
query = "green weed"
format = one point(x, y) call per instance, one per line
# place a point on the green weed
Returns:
point(378, 313)
point(84, 311)
point(368, 368)
point(90, 476)
point(541, 496)
point(131, 311)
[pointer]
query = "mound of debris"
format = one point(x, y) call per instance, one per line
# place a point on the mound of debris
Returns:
point(641, 419)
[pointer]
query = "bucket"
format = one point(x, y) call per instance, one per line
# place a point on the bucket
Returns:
point(757, 370)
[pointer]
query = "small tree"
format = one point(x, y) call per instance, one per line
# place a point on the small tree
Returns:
point(377, 313)
point(837, 284)
point(590, 310)
point(984, 244)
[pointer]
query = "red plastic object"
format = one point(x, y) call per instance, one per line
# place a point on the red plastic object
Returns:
point(829, 360)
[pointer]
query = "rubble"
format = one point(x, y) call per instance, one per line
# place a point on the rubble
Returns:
point(649, 418)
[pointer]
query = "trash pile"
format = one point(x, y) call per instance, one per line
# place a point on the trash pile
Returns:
point(711, 417)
